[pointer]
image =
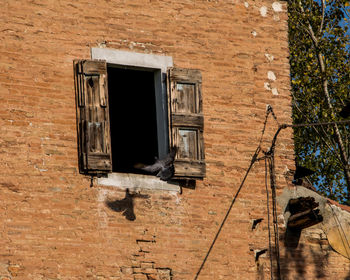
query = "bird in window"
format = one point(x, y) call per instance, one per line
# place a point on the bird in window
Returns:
point(302, 171)
point(345, 112)
point(299, 177)
point(163, 167)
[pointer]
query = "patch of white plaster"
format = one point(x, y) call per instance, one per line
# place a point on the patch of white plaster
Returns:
point(254, 33)
point(137, 182)
point(132, 58)
point(102, 44)
point(177, 197)
point(102, 195)
point(246, 4)
point(40, 169)
point(269, 57)
point(274, 91)
point(277, 7)
point(276, 17)
point(267, 86)
point(271, 76)
point(263, 11)
point(281, 220)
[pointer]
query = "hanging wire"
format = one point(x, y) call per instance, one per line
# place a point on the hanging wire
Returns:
point(315, 124)
point(268, 219)
point(269, 110)
point(274, 115)
point(330, 146)
point(271, 161)
point(253, 160)
point(269, 155)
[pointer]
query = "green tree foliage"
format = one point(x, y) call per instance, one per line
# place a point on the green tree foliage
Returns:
point(320, 77)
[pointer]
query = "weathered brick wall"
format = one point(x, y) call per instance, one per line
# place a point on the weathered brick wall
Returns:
point(54, 226)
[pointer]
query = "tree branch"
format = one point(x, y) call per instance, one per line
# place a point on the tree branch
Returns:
point(323, 3)
point(330, 146)
point(346, 11)
point(322, 66)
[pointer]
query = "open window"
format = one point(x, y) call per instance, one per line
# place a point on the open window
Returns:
point(133, 118)
point(120, 121)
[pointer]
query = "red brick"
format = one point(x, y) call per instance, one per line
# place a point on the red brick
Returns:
point(53, 225)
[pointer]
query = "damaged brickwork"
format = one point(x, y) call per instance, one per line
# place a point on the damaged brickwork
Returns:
point(143, 267)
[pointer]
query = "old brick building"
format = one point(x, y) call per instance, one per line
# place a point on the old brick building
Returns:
point(57, 223)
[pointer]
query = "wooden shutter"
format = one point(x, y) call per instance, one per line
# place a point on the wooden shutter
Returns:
point(91, 91)
point(186, 122)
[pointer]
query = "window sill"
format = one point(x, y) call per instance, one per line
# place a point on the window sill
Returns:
point(137, 182)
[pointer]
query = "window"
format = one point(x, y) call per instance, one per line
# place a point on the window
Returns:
point(133, 118)
point(124, 117)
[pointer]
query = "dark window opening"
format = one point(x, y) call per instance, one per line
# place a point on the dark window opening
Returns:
point(133, 119)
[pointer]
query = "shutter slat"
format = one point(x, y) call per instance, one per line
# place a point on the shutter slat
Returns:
point(79, 85)
point(103, 90)
point(92, 116)
point(186, 122)
point(191, 120)
point(185, 75)
point(93, 67)
point(192, 168)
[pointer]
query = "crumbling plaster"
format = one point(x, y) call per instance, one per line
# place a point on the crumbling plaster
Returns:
point(336, 221)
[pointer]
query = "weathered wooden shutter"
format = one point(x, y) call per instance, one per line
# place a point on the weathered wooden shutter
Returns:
point(91, 91)
point(186, 121)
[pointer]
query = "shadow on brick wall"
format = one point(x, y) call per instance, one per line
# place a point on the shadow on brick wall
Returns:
point(125, 205)
point(297, 261)
point(348, 276)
